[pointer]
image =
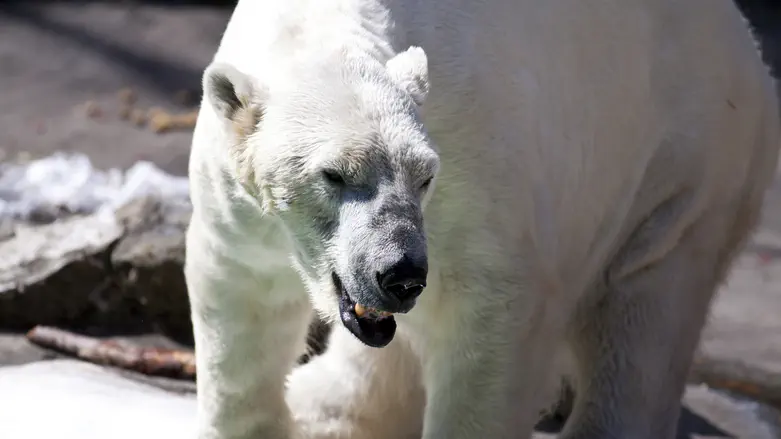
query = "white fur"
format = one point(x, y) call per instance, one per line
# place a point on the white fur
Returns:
point(598, 164)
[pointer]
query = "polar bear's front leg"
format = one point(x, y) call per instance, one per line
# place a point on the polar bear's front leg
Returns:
point(246, 342)
point(486, 368)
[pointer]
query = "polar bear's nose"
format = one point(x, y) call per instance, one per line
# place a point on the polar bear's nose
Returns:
point(404, 281)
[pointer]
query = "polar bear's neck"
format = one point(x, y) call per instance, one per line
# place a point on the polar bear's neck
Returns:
point(286, 31)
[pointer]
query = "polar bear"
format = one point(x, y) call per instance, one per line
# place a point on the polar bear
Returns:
point(468, 189)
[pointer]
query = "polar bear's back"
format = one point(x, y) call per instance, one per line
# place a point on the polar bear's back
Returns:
point(566, 118)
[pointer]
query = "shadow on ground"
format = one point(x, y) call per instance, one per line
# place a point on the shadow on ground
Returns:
point(57, 58)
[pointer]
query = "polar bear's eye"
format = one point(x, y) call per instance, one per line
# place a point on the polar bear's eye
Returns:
point(333, 177)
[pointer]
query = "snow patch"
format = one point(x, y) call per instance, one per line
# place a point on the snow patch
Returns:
point(64, 184)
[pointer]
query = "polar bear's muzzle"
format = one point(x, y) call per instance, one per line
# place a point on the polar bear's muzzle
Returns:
point(373, 329)
point(398, 287)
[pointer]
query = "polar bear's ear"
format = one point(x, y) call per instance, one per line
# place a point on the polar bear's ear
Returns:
point(236, 97)
point(410, 70)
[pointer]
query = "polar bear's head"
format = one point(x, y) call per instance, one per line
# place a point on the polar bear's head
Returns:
point(337, 152)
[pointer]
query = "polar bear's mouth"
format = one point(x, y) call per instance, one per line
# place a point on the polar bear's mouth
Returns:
point(372, 327)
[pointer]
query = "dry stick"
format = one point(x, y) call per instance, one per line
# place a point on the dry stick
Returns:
point(150, 361)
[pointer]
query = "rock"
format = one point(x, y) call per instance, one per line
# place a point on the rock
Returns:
point(741, 346)
point(148, 260)
point(54, 273)
point(72, 400)
point(99, 272)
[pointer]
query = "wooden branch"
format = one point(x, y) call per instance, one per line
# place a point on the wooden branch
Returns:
point(171, 363)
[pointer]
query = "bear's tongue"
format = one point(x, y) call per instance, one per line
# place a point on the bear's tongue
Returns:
point(375, 329)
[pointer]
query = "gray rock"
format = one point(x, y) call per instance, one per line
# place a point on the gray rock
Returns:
point(100, 273)
point(148, 260)
point(54, 273)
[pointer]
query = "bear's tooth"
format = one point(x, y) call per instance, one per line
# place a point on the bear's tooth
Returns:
point(359, 310)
